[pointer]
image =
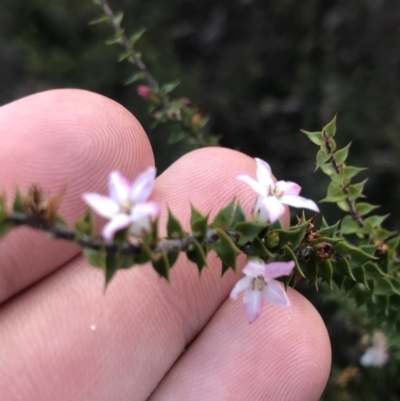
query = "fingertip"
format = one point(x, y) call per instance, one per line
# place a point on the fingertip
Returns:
point(57, 138)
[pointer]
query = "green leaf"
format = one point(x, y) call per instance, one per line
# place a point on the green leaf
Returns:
point(322, 157)
point(238, 215)
point(197, 255)
point(292, 236)
point(349, 172)
point(248, 231)
point(385, 286)
point(257, 248)
point(118, 18)
point(375, 221)
point(111, 267)
point(226, 250)
point(136, 36)
point(126, 261)
point(85, 226)
point(365, 208)
point(18, 205)
point(99, 20)
point(198, 223)
point(174, 228)
point(348, 226)
point(393, 243)
point(335, 193)
point(124, 56)
point(372, 271)
point(329, 231)
point(342, 267)
point(5, 227)
point(95, 258)
point(341, 155)
point(116, 39)
point(329, 170)
point(355, 190)
point(325, 270)
point(169, 87)
point(137, 76)
point(161, 265)
point(172, 258)
point(224, 216)
point(121, 236)
point(330, 128)
point(289, 255)
point(315, 137)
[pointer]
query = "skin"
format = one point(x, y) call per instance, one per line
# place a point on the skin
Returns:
point(63, 338)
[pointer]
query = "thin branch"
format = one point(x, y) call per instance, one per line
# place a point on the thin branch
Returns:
point(60, 231)
point(149, 78)
point(350, 203)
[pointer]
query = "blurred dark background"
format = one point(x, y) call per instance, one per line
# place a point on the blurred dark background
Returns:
point(261, 69)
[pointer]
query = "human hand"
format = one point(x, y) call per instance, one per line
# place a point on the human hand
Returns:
point(63, 338)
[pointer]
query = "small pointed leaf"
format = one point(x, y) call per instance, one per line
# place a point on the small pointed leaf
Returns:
point(197, 255)
point(18, 205)
point(137, 76)
point(341, 155)
point(330, 128)
point(226, 250)
point(224, 216)
point(198, 223)
point(248, 231)
point(315, 137)
point(174, 228)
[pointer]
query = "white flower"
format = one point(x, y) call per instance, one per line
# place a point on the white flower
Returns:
point(259, 285)
point(273, 196)
point(376, 355)
point(127, 204)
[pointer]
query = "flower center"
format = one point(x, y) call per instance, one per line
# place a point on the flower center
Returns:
point(126, 207)
point(275, 191)
point(259, 283)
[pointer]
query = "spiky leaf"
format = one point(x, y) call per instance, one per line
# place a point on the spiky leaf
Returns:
point(226, 250)
point(197, 255)
point(224, 216)
point(198, 223)
point(174, 228)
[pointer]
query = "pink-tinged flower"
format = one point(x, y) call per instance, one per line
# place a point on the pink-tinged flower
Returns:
point(273, 196)
point(377, 354)
point(127, 204)
point(144, 92)
point(259, 285)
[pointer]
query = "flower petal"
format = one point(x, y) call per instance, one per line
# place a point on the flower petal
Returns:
point(102, 205)
point(299, 201)
point(254, 268)
point(150, 209)
point(253, 301)
point(143, 186)
point(261, 210)
point(240, 286)
point(255, 185)
point(264, 174)
point(275, 294)
point(119, 222)
point(274, 208)
point(118, 187)
point(141, 217)
point(278, 269)
point(288, 187)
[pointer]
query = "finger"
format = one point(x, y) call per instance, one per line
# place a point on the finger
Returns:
point(142, 323)
point(285, 356)
point(60, 138)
